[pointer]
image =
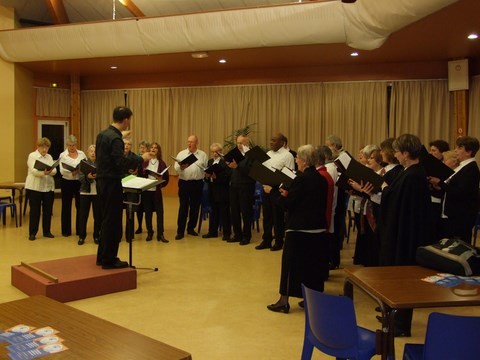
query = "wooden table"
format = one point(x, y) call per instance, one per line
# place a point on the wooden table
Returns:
point(85, 336)
point(15, 186)
point(401, 287)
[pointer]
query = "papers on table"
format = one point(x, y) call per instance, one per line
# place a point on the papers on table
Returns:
point(461, 285)
point(41, 166)
point(137, 184)
point(26, 342)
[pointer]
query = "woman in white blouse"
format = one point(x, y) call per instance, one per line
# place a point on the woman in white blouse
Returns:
point(70, 183)
point(40, 186)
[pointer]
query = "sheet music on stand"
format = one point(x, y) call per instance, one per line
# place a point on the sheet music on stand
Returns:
point(134, 185)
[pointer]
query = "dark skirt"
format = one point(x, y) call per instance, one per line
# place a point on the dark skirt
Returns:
point(304, 260)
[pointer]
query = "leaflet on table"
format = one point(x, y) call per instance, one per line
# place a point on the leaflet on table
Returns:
point(43, 350)
point(35, 343)
point(139, 183)
point(157, 175)
point(41, 166)
point(450, 280)
point(15, 331)
point(18, 335)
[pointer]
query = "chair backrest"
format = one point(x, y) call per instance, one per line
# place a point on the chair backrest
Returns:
point(331, 319)
point(452, 337)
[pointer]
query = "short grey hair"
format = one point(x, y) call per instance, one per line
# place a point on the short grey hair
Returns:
point(92, 146)
point(335, 139)
point(71, 139)
point(214, 145)
point(367, 150)
point(307, 154)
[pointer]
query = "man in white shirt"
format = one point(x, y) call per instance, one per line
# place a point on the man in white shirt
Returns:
point(190, 187)
point(273, 215)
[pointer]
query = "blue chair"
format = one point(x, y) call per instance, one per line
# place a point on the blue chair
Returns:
point(331, 327)
point(451, 337)
point(3, 211)
point(475, 229)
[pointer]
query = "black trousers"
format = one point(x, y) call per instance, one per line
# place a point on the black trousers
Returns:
point(220, 215)
point(110, 195)
point(190, 196)
point(70, 191)
point(153, 203)
point(339, 228)
point(40, 203)
point(87, 201)
point(273, 219)
point(241, 209)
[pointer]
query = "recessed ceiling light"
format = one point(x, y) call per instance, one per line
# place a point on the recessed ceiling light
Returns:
point(354, 54)
point(114, 67)
point(473, 36)
point(200, 55)
point(222, 61)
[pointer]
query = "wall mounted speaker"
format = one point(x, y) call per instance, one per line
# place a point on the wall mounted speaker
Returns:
point(458, 75)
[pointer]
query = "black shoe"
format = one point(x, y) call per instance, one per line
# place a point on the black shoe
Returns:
point(192, 232)
point(226, 237)
point(333, 266)
point(150, 236)
point(233, 239)
point(264, 245)
point(302, 304)
point(98, 263)
point(279, 308)
point(66, 235)
point(118, 264)
point(48, 235)
point(31, 237)
point(139, 231)
point(377, 309)
point(276, 247)
point(162, 239)
point(244, 242)
point(95, 240)
point(179, 237)
point(81, 241)
point(209, 236)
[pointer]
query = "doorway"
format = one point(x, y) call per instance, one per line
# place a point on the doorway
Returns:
point(56, 131)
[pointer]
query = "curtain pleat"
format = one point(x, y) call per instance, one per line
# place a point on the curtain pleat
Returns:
point(53, 102)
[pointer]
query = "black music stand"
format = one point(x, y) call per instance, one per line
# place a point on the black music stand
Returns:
point(130, 203)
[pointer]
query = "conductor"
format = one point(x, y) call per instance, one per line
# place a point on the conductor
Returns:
point(111, 167)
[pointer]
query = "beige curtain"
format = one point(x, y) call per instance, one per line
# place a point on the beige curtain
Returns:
point(96, 113)
point(53, 102)
point(421, 108)
point(474, 108)
point(357, 112)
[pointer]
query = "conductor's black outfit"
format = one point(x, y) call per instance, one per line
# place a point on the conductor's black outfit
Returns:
point(111, 166)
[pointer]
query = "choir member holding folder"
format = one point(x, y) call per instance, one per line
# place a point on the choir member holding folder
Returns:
point(70, 183)
point(190, 186)
point(152, 199)
point(305, 254)
point(242, 189)
point(41, 187)
point(88, 198)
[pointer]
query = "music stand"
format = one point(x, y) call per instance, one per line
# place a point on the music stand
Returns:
point(135, 185)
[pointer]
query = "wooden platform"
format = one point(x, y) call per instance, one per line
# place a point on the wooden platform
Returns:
point(78, 278)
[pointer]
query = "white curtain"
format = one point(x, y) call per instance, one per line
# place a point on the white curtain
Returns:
point(53, 102)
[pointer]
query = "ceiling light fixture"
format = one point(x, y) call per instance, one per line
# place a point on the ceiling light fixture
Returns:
point(473, 36)
point(222, 61)
point(114, 67)
point(354, 54)
point(200, 55)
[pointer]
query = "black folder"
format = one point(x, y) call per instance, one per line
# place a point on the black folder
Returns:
point(256, 153)
point(156, 175)
point(87, 168)
point(435, 167)
point(234, 154)
point(214, 168)
point(189, 160)
point(358, 172)
point(40, 165)
point(69, 167)
point(265, 176)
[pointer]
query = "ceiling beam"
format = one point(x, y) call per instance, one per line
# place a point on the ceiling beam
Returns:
point(134, 10)
point(57, 11)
